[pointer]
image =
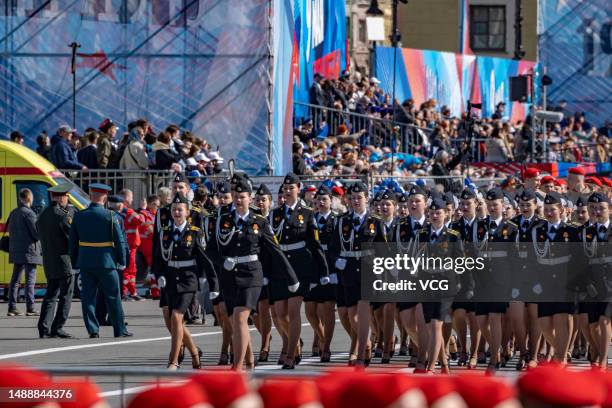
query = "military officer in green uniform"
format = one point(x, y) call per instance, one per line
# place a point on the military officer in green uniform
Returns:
point(97, 249)
point(54, 226)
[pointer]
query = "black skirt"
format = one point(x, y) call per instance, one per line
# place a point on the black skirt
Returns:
point(547, 309)
point(322, 293)
point(484, 308)
point(352, 295)
point(467, 306)
point(179, 301)
point(242, 297)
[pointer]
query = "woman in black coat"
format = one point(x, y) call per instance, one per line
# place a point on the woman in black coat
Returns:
point(165, 157)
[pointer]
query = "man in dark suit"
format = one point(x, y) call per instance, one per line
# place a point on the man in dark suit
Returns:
point(88, 154)
point(24, 252)
point(54, 227)
point(315, 94)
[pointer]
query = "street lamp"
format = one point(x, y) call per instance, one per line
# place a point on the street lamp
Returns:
point(374, 10)
point(376, 31)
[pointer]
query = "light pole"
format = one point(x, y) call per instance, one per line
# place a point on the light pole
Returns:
point(74, 45)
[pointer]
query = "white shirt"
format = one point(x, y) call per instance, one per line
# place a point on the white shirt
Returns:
point(421, 221)
point(360, 216)
point(438, 232)
point(549, 226)
point(602, 235)
point(468, 223)
point(498, 221)
point(290, 207)
point(181, 227)
point(244, 217)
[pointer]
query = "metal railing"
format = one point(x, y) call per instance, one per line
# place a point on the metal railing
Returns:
point(371, 130)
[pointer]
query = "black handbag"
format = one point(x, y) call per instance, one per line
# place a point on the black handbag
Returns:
point(4, 241)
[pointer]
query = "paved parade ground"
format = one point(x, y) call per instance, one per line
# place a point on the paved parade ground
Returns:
point(149, 347)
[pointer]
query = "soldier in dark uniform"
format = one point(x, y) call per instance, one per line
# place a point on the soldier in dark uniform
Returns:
point(411, 313)
point(224, 197)
point(355, 230)
point(597, 238)
point(443, 242)
point(265, 314)
point(494, 278)
point(183, 264)
point(115, 205)
point(384, 313)
point(97, 249)
point(551, 253)
point(322, 298)
point(464, 308)
point(164, 222)
point(242, 240)
point(296, 231)
point(522, 281)
point(54, 227)
point(196, 313)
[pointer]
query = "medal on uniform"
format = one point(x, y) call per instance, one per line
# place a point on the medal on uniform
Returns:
point(372, 228)
point(566, 236)
point(226, 225)
point(255, 229)
point(69, 220)
point(189, 220)
point(189, 240)
point(505, 233)
point(300, 218)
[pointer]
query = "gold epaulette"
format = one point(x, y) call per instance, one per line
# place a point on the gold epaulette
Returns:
point(452, 232)
point(512, 223)
point(194, 228)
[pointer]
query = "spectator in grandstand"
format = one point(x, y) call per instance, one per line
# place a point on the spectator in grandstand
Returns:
point(16, 137)
point(24, 252)
point(43, 148)
point(602, 151)
point(135, 158)
point(606, 129)
point(165, 157)
point(499, 111)
point(443, 164)
point(315, 94)
point(88, 155)
point(106, 148)
point(62, 155)
point(498, 150)
point(299, 166)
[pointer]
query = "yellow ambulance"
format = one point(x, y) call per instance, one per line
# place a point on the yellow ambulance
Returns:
point(21, 167)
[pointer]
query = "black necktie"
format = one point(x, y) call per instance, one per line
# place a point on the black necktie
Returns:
point(602, 229)
point(321, 220)
point(240, 223)
point(525, 224)
point(417, 226)
point(492, 225)
point(289, 212)
point(177, 234)
point(553, 230)
point(434, 236)
point(356, 222)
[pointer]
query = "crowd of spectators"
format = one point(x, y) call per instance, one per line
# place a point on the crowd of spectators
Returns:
point(139, 148)
point(350, 132)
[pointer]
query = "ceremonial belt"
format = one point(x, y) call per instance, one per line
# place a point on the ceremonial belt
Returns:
point(96, 244)
point(181, 264)
point(603, 260)
point(244, 259)
point(131, 231)
point(496, 254)
point(554, 261)
point(324, 246)
point(294, 246)
point(356, 254)
point(522, 254)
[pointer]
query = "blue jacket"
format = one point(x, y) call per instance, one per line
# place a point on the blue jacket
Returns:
point(88, 156)
point(62, 155)
point(97, 240)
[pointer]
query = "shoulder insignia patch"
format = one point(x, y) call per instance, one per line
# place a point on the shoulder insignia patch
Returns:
point(453, 232)
point(194, 228)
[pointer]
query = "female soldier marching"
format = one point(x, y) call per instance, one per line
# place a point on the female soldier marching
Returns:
point(242, 239)
point(182, 264)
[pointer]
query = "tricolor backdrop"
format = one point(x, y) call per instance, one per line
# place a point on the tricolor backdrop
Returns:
point(451, 78)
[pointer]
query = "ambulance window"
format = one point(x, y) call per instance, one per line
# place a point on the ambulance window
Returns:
point(39, 190)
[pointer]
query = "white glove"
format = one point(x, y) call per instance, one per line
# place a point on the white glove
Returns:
point(213, 295)
point(325, 280)
point(537, 289)
point(469, 294)
point(515, 293)
point(265, 281)
point(229, 264)
point(294, 288)
point(333, 278)
point(202, 281)
point(121, 267)
point(340, 264)
point(312, 286)
point(75, 271)
point(161, 282)
point(149, 278)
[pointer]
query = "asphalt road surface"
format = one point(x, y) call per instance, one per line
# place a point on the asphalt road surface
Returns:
point(148, 349)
